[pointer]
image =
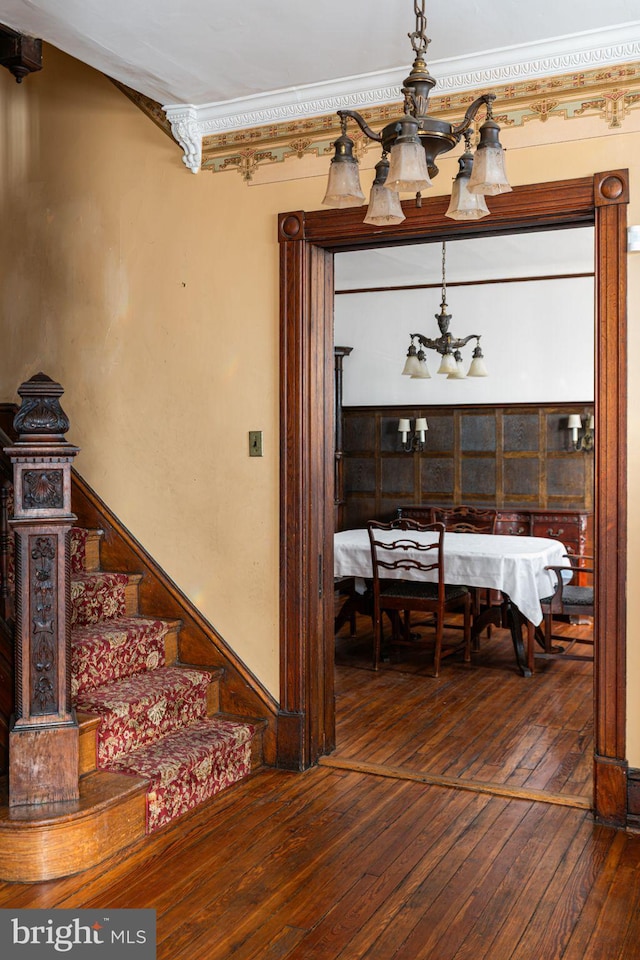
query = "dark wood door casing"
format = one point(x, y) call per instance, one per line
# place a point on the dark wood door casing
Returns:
point(307, 243)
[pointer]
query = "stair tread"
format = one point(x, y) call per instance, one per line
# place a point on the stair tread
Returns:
point(81, 576)
point(163, 681)
point(103, 595)
point(189, 744)
point(87, 631)
point(141, 709)
point(98, 789)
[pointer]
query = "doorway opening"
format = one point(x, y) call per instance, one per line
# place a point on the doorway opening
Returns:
point(499, 443)
point(308, 241)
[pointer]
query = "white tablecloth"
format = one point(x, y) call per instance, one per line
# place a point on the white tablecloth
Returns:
point(513, 565)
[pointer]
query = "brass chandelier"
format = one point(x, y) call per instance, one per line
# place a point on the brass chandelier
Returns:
point(446, 345)
point(410, 146)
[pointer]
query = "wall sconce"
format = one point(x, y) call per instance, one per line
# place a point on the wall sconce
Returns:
point(584, 442)
point(412, 440)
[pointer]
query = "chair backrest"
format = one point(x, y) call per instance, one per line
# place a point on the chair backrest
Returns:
point(398, 548)
point(465, 519)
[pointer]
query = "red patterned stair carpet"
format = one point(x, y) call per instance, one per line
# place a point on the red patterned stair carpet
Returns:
point(153, 716)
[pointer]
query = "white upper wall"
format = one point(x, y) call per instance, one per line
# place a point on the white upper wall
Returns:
point(537, 335)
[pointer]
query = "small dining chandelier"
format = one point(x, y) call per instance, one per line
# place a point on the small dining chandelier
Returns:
point(446, 345)
point(410, 146)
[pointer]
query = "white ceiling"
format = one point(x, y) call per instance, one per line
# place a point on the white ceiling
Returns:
point(221, 66)
point(239, 53)
point(537, 254)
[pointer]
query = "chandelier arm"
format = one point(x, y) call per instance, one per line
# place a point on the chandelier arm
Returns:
point(426, 341)
point(456, 344)
point(486, 99)
point(446, 343)
point(364, 126)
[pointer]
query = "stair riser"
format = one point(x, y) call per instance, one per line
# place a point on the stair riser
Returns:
point(129, 650)
point(192, 788)
point(85, 834)
point(103, 596)
point(121, 735)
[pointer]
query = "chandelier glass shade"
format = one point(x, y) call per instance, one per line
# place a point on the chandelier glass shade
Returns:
point(413, 142)
point(465, 205)
point(384, 204)
point(446, 346)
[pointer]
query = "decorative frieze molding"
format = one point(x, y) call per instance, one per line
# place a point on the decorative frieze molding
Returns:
point(191, 124)
point(607, 96)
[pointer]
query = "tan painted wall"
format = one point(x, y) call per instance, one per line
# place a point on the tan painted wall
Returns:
point(151, 294)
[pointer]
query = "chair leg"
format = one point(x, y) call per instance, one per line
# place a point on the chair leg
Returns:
point(548, 630)
point(531, 643)
point(438, 648)
point(377, 636)
point(467, 630)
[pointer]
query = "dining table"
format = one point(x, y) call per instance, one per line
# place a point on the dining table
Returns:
point(515, 566)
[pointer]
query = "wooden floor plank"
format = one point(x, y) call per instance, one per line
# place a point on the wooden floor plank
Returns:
point(480, 722)
point(506, 906)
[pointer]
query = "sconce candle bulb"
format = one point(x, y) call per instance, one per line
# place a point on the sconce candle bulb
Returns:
point(575, 425)
point(412, 440)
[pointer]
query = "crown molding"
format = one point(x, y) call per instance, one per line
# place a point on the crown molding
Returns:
point(190, 123)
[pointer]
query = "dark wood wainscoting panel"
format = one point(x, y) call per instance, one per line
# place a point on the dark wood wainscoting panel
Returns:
point(499, 456)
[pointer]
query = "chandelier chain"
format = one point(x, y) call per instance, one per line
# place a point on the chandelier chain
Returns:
point(444, 282)
point(419, 39)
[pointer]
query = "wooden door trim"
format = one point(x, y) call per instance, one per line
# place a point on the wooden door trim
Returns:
point(308, 241)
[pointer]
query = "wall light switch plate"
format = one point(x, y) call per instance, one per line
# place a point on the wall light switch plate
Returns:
point(255, 443)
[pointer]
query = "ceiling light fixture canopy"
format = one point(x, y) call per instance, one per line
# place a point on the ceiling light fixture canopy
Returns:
point(412, 143)
point(446, 345)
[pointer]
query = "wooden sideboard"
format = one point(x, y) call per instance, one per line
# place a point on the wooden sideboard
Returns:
point(569, 526)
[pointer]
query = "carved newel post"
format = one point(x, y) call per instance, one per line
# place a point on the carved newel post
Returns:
point(43, 740)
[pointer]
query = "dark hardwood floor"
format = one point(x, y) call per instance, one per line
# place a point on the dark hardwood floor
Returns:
point(337, 864)
point(479, 723)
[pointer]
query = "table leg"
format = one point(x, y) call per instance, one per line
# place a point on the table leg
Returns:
point(491, 616)
point(524, 658)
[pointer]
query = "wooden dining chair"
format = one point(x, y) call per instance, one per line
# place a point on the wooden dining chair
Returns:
point(464, 519)
point(568, 600)
point(399, 563)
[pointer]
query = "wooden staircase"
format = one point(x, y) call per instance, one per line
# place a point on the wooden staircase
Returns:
point(167, 717)
point(44, 841)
